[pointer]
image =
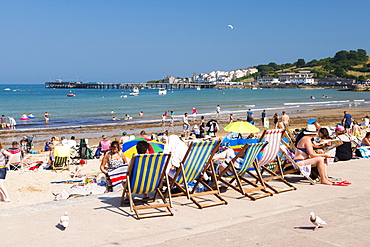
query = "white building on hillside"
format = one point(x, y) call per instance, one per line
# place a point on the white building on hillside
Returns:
point(301, 77)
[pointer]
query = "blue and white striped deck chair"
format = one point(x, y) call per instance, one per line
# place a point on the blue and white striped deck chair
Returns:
point(197, 160)
point(270, 161)
point(249, 153)
point(146, 174)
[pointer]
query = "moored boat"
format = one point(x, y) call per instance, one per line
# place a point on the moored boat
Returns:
point(162, 91)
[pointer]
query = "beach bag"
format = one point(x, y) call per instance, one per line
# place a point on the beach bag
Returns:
point(98, 152)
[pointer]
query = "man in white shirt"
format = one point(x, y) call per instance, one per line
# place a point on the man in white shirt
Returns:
point(72, 143)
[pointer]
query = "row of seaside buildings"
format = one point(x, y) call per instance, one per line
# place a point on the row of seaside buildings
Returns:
point(229, 77)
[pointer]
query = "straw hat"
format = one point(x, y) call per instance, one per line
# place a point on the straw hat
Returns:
point(104, 136)
point(310, 130)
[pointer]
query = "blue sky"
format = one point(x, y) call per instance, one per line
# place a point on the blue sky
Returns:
point(136, 41)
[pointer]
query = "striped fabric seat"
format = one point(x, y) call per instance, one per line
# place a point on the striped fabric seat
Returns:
point(249, 158)
point(270, 161)
point(197, 158)
point(249, 153)
point(61, 155)
point(146, 174)
point(196, 163)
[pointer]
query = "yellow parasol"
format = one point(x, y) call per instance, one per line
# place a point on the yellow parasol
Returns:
point(241, 127)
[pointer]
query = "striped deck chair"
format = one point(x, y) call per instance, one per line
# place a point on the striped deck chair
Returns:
point(270, 161)
point(146, 174)
point(196, 162)
point(249, 153)
point(289, 138)
point(288, 155)
point(61, 155)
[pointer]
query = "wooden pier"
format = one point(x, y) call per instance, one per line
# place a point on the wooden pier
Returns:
point(101, 85)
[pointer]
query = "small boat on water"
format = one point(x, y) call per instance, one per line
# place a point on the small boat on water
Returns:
point(123, 96)
point(71, 94)
point(198, 88)
point(7, 89)
point(162, 91)
point(135, 91)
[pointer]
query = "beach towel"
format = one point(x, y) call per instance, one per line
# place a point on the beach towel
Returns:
point(365, 152)
point(62, 151)
point(177, 148)
point(117, 176)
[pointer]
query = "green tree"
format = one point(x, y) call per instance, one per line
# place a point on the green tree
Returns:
point(340, 72)
point(300, 63)
point(361, 78)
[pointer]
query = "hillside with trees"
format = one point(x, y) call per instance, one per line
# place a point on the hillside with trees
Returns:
point(345, 64)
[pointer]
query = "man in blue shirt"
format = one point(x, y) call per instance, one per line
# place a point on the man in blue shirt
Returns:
point(249, 115)
point(347, 120)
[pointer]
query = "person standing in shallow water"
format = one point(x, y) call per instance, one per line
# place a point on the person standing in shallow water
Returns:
point(218, 112)
point(46, 117)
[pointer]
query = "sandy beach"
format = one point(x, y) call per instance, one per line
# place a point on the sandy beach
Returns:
point(32, 206)
point(27, 188)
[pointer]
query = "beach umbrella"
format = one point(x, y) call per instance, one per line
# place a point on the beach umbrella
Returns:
point(241, 127)
point(129, 148)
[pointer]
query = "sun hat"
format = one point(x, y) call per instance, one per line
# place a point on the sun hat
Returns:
point(195, 127)
point(82, 162)
point(104, 136)
point(311, 121)
point(124, 133)
point(339, 128)
point(310, 130)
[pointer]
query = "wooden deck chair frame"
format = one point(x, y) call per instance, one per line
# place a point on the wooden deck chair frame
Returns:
point(288, 135)
point(250, 152)
point(270, 157)
point(196, 162)
point(61, 162)
point(146, 173)
point(288, 158)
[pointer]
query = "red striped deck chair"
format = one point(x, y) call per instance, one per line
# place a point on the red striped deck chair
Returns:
point(270, 161)
point(249, 152)
point(196, 162)
point(146, 174)
point(288, 155)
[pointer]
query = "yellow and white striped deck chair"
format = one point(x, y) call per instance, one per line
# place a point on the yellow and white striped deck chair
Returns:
point(249, 153)
point(146, 174)
point(196, 161)
point(61, 155)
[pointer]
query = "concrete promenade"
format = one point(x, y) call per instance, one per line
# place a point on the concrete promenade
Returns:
point(280, 220)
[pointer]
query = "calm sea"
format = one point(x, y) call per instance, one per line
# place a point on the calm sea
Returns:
point(94, 106)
